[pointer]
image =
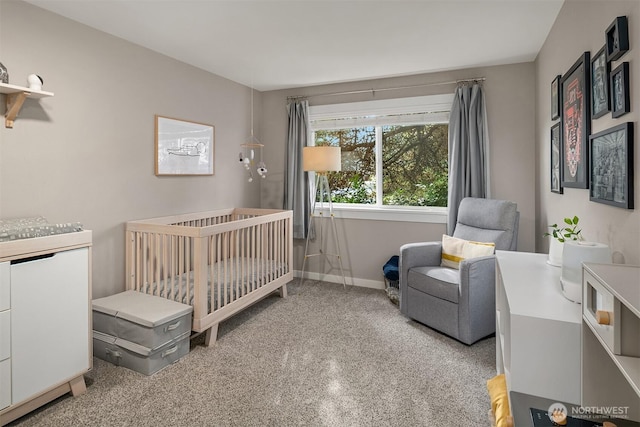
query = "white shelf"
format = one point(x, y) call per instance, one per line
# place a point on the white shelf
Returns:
point(7, 89)
point(16, 96)
point(629, 366)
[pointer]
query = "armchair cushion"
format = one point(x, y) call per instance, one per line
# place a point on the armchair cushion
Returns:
point(440, 282)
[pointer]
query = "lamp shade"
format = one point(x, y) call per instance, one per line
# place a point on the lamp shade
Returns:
point(321, 159)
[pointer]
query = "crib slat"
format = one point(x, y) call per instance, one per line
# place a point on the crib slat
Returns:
point(173, 251)
point(200, 273)
point(181, 257)
point(253, 257)
point(218, 270)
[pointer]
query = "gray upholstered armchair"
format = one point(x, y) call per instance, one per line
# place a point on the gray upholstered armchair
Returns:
point(459, 303)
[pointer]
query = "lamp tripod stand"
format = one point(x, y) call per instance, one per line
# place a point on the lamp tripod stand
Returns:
point(322, 186)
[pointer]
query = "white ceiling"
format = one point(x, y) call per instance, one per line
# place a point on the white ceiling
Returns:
point(271, 44)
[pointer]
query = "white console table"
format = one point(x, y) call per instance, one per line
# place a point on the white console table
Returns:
point(538, 330)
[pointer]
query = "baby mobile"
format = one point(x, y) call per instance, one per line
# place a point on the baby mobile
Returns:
point(251, 153)
point(250, 161)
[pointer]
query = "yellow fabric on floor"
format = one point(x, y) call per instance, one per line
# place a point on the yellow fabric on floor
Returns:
point(497, 387)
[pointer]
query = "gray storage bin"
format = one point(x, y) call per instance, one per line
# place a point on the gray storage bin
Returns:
point(133, 356)
point(143, 319)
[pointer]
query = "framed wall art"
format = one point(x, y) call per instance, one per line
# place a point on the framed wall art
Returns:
point(620, 90)
point(555, 98)
point(617, 38)
point(556, 159)
point(184, 147)
point(611, 166)
point(575, 91)
point(600, 103)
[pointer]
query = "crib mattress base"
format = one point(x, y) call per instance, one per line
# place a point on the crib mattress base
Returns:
point(147, 320)
point(138, 358)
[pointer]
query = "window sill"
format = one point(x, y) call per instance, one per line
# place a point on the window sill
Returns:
point(430, 215)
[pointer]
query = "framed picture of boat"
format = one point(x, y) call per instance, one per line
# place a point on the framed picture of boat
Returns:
point(183, 147)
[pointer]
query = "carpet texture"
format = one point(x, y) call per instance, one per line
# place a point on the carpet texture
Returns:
point(324, 356)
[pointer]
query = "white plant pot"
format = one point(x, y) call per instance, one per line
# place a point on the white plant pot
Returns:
point(555, 252)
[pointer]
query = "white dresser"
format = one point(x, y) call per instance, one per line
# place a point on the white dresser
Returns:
point(537, 329)
point(45, 320)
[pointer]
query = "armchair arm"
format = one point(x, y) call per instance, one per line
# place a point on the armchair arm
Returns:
point(413, 255)
point(477, 313)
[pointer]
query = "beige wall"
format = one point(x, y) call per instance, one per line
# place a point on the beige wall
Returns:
point(366, 245)
point(580, 27)
point(87, 154)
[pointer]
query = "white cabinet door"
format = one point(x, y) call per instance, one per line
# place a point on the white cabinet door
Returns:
point(49, 321)
point(5, 334)
point(5, 286)
point(5, 383)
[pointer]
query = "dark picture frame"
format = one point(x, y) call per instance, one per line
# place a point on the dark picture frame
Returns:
point(575, 94)
point(555, 98)
point(600, 71)
point(617, 38)
point(611, 166)
point(619, 83)
point(556, 159)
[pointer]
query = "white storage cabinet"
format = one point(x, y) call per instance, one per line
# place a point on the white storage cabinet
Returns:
point(45, 322)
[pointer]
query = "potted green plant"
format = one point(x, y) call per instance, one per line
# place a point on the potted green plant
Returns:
point(569, 231)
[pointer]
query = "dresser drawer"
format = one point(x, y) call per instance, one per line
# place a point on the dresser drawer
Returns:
point(5, 334)
point(5, 286)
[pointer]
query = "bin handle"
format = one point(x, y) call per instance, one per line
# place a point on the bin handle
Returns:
point(169, 351)
point(172, 326)
point(115, 354)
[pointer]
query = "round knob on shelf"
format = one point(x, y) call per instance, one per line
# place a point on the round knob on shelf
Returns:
point(603, 317)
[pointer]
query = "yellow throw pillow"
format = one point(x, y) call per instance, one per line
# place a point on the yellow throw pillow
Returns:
point(452, 248)
point(477, 249)
point(455, 250)
point(498, 395)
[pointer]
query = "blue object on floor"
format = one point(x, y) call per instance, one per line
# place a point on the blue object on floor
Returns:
point(390, 269)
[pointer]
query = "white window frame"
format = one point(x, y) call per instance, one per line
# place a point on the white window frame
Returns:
point(435, 109)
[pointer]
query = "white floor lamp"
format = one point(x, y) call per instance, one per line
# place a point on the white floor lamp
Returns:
point(322, 159)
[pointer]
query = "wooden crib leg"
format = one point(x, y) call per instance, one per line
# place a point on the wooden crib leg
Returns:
point(283, 291)
point(211, 335)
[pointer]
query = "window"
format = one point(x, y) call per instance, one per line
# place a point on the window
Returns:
point(394, 152)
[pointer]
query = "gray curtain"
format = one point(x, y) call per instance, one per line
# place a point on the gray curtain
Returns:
point(296, 184)
point(468, 149)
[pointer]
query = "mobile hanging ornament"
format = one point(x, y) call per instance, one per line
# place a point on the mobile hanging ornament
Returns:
point(247, 158)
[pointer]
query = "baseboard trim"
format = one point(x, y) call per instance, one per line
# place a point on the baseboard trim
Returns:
point(336, 278)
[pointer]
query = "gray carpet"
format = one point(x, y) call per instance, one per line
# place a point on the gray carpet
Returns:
point(321, 357)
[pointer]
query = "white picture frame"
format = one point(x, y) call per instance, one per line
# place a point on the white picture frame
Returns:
point(183, 147)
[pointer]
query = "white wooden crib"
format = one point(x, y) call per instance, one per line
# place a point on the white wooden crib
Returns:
point(219, 261)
